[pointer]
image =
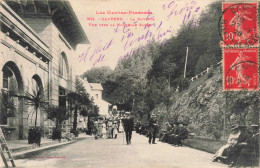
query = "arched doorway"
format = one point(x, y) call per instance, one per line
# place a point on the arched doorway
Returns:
point(12, 82)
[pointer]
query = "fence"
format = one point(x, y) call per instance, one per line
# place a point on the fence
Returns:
point(207, 70)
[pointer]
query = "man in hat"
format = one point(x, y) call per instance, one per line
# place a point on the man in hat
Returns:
point(166, 134)
point(128, 124)
point(173, 132)
point(183, 134)
point(153, 127)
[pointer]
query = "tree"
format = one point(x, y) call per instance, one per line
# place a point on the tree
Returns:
point(143, 81)
point(78, 100)
point(156, 93)
point(36, 100)
point(8, 107)
point(74, 105)
point(98, 74)
point(57, 115)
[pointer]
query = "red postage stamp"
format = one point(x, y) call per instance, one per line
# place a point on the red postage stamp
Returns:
point(240, 69)
point(240, 24)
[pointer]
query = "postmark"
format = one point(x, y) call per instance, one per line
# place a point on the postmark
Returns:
point(239, 24)
point(240, 69)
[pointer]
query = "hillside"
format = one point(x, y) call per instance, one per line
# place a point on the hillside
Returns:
point(209, 111)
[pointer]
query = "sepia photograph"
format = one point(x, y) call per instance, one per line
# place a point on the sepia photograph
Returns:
point(129, 83)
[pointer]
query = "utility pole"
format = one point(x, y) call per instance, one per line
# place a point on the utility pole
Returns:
point(187, 51)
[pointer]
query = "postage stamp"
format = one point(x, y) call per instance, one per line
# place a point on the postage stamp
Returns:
point(240, 69)
point(240, 24)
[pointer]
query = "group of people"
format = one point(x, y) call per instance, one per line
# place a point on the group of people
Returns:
point(174, 133)
point(242, 148)
point(150, 129)
point(107, 128)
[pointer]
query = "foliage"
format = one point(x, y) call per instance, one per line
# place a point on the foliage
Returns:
point(98, 75)
point(210, 74)
point(84, 112)
point(144, 82)
point(80, 101)
point(57, 114)
point(211, 112)
point(204, 61)
point(7, 102)
point(8, 106)
point(36, 100)
point(183, 83)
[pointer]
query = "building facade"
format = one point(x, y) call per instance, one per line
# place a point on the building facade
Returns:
point(95, 92)
point(38, 41)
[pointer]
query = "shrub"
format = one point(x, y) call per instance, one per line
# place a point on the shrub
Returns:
point(183, 83)
point(209, 75)
point(217, 134)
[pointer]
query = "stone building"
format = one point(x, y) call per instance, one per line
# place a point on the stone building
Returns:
point(38, 41)
point(95, 92)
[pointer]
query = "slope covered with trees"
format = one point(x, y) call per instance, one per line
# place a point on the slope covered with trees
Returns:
point(150, 86)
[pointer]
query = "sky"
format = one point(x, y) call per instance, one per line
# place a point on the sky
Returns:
point(112, 38)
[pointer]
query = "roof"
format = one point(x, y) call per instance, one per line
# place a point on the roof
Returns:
point(106, 102)
point(96, 86)
point(61, 13)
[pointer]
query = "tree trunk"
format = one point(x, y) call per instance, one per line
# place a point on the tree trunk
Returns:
point(36, 111)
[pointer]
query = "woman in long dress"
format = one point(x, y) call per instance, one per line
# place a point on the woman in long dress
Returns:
point(115, 127)
point(104, 130)
point(232, 141)
point(120, 126)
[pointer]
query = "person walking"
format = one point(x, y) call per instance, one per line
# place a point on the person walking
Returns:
point(115, 129)
point(104, 130)
point(128, 124)
point(153, 126)
point(109, 128)
point(100, 126)
point(120, 129)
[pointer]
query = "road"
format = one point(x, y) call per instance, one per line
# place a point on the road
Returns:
point(112, 153)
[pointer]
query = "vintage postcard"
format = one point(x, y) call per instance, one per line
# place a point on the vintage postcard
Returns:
point(129, 83)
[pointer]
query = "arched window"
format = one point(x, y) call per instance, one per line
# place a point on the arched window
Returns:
point(12, 78)
point(9, 105)
point(63, 69)
point(7, 76)
point(36, 82)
